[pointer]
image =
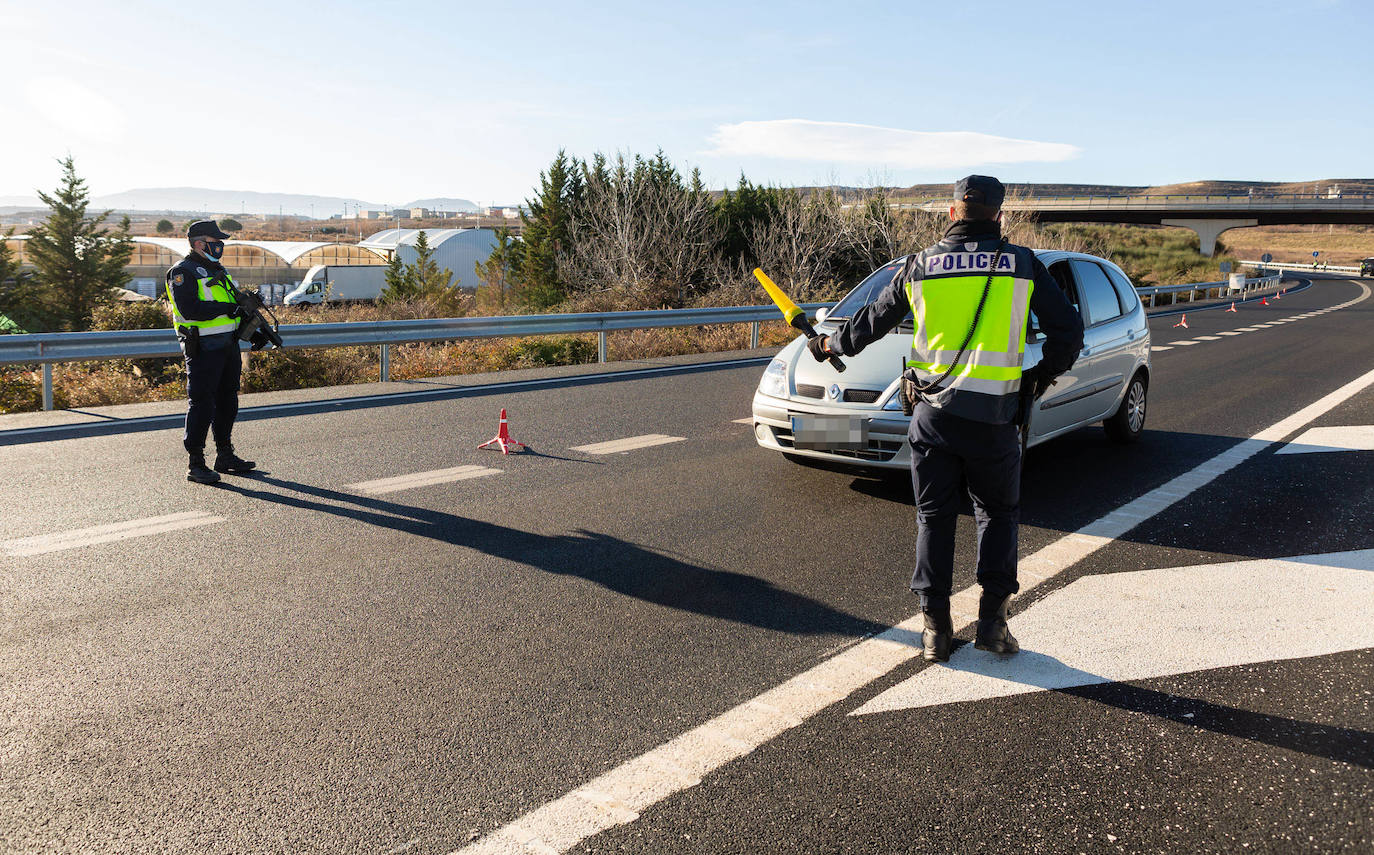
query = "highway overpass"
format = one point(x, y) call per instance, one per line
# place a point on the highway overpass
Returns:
point(1209, 216)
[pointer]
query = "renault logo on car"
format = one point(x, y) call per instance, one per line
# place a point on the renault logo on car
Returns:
point(834, 391)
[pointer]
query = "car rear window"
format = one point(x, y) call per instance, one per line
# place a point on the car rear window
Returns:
point(1124, 290)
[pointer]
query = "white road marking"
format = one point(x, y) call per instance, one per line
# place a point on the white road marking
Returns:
point(1341, 438)
point(421, 479)
point(621, 794)
point(748, 421)
point(1246, 329)
point(107, 533)
point(1182, 343)
point(628, 444)
point(1208, 338)
point(1152, 623)
point(1228, 332)
point(1158, 347)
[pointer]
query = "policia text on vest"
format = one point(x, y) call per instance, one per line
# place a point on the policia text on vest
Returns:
point(207, 318)
point(968, 361)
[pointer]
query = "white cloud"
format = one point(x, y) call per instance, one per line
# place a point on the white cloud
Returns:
point(802, 139)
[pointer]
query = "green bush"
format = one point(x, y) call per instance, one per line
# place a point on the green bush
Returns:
point(150, 315)
point(553, 350)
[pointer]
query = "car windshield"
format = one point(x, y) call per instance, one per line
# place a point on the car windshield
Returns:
point(866, 292)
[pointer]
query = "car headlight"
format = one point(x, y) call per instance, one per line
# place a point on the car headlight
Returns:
point(894, 403)
point(774, 380)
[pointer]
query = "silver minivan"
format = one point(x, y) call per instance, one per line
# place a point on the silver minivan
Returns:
point(858, 416)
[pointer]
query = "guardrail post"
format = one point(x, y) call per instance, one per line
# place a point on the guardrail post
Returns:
point(386, 363)
point(47, 385)
point(601, 347)
point(754, 336)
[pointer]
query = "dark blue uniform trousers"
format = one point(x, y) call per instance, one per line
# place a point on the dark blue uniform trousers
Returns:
point(945, 451)
point(212, 386)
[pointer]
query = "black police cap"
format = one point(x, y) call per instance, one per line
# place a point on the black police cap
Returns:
point(205, 228)
point(983, 189)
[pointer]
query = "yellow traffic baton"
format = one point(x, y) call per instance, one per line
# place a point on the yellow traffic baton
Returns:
point(796, 317)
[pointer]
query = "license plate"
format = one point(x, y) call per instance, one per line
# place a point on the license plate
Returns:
point(822, 432)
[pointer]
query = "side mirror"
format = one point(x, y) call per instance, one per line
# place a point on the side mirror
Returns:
point(822, 314)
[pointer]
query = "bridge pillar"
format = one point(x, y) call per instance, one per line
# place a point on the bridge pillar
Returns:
point(1209, 230)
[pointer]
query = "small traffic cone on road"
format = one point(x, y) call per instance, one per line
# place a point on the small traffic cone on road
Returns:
point(1183, 323)
point(503, 439)
point(1278, 295)
point(1264, 301)
point(1233, 306)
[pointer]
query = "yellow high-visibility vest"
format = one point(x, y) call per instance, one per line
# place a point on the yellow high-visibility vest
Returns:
point(209, 288)
point(943, 304)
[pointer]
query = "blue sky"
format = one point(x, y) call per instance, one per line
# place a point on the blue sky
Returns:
point(388, 102)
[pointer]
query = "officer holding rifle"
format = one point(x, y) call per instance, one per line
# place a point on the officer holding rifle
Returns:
point(969, 295)
point(207, 316)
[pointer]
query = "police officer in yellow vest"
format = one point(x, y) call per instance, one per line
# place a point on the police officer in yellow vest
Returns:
point(207, 320)
point(969, 295)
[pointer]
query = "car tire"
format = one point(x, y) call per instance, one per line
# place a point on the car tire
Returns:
point(1128, 422)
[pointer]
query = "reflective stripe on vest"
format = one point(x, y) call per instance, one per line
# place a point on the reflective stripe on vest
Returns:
point(943, 308)
point(214, 292)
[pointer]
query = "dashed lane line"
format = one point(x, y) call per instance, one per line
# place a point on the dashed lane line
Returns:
point(1208, 338)
point(1155, 348)
point(1229, 332)
point(620, 795)
point(59, 541)
point(421, 479)
point(632, 443)
point(1184, 343)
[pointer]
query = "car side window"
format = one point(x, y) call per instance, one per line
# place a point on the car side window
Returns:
point(1060, 271)
point(1099, 297)
point(1124, 291)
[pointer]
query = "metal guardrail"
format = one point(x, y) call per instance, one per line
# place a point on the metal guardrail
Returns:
point(1319, 266)
point(49, 348)
point(1193, 290)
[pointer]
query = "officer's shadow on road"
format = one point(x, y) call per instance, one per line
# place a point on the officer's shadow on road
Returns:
point(1042, 671)
point(616, 564)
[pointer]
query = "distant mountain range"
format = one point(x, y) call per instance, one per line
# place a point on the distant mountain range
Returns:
point(192, 199)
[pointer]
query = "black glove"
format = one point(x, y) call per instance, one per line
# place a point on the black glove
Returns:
point(239, 312)
point(1039, 379)
point(817, 347)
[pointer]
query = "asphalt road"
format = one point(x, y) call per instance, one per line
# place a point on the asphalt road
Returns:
point(312, 666)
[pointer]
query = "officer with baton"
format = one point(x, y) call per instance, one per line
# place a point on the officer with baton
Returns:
point(207, 317)
point(969, 295)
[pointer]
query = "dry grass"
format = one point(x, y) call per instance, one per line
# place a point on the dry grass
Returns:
point(1342, 245)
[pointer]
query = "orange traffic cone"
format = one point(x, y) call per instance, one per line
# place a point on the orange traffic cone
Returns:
point(1264, 301)
point(1183, 323)
point(1233, 306)
point(503, 439)
point(1278, 295)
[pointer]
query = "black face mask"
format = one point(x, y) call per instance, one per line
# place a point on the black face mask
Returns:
point(214, 249)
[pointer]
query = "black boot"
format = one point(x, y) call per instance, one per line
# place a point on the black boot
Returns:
point(198, 472)
point(938, 636)
point(993, 633)
point(227, 461)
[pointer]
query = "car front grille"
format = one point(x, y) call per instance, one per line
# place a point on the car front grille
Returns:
point(861, 396)
point(806, 390)
point(877, 450)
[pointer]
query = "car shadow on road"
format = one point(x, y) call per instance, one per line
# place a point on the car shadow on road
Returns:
point(611, 562)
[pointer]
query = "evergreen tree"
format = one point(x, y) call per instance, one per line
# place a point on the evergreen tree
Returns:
point(497, 273)
point(19, 304)
point(546, 233)
point(430, 279)
point(165, 227)
point(79, 261)
point(229, 224)
point(400, 284)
